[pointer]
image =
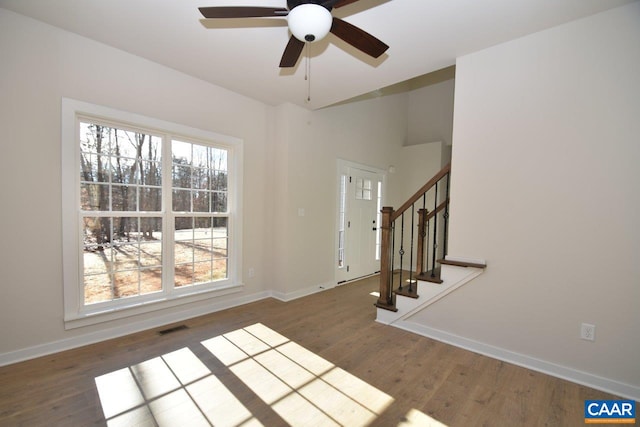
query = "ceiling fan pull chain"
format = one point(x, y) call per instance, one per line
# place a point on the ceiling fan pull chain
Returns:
point(307, 75)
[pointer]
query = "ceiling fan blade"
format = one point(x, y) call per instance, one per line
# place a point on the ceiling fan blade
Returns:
point(341, 3)
point(329, 4)
point(291, 53)
point(242, 12)
point(358, 38)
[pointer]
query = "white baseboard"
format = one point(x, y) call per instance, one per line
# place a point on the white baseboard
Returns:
point(94, 337)
point(617, 388)
point(160, 320)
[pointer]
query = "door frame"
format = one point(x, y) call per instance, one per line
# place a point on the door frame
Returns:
point(344, 166)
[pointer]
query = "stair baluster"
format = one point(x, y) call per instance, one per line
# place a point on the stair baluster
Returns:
point(435, 233)
point(411, 291)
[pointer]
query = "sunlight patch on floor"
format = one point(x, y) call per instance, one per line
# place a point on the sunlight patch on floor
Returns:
point(416, 418)
point(301, 387)
point(175, 389)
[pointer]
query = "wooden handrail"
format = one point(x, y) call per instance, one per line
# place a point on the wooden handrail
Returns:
point(437, 177)
point(438, 209)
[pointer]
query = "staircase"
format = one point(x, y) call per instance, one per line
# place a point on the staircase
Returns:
point(415, 270)
point(453, 274)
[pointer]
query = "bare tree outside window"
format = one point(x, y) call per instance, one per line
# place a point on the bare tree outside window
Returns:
point(199, 192)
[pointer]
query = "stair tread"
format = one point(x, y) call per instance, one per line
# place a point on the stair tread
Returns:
point(432, 276)
point(429, 278)
point(462, 263)
point(405, 292)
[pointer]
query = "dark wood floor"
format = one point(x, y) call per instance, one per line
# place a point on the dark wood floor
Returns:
point(451, 385)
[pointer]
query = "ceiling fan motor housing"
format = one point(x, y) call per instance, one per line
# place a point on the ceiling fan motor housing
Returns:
point(309, 22)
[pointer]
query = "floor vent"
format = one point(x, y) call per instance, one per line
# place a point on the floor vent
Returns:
point(173, 329)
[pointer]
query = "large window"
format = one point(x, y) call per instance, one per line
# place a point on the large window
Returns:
point(154, 210)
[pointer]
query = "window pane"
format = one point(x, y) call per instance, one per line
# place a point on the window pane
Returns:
point(94, 138)
point(115, 250)
point(97, 288)
point(218, 159)
point(219, 248)
point(126, 284)
point(202, 272)
point(125, 198)
point(181, 176)
point(126, 257)
point(96, 261)
point(125, 171)
point(202, 249)
point(150, 199)
point(150, 228)
point(181, 152)
point(220, 269)
point(93, 167)
point(96, 232)
point(94, 197)
point(181, 200)
point(151, 254)
point(118, 160)
point(126, 144)
point(200, 252)
point(201, 156)
point(151, 173)
point(183, 253)
point(200, 179)
point(219, 181)
point(219, 202)
point(150, 280)
point(183, 275)
point(201, 201)
point(202, 169)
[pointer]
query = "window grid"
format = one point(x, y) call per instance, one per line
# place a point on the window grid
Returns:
point(121, 205)
point(363, 189)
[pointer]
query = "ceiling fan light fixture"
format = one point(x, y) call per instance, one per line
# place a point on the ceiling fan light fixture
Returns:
point(309, 22)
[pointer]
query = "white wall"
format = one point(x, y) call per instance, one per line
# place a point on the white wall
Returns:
point(41, 64)
point(430, 113)
point(416, 164)
point(546, 188)
point(368, 132)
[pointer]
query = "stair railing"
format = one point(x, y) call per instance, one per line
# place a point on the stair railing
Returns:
point(425, 242)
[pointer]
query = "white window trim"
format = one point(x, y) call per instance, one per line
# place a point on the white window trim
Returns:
point(74, 313)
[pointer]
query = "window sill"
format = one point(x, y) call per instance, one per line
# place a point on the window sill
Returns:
point(79, 320)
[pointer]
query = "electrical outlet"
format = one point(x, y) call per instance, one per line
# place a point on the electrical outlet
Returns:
point(252, 272)
point(588, 332)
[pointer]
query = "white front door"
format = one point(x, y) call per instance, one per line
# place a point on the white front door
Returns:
point(358, 222)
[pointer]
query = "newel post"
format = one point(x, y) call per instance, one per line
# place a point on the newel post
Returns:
point(385, 300)
point(422, 223)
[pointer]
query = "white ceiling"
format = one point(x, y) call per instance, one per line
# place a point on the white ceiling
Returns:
point(243, 55)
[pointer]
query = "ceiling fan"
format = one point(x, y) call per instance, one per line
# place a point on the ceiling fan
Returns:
point(309, 21)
